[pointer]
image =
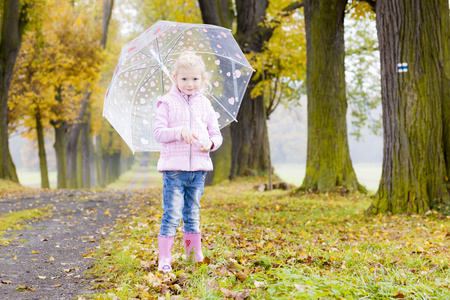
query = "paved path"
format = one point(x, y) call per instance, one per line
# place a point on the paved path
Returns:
point(144, 177)
point(50, 264)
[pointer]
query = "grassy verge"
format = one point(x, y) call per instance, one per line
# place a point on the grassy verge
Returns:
point(13, 221)
point(275, 245)
point(7, 186)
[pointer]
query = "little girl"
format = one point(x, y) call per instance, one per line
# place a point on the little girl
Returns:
point(184, 157)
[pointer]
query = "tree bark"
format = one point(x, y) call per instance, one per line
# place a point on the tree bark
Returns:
point(86, 152)
point(60, 151)
point(220, 13)
point(13, 23)
point(409, 31)
point(98, 157)
point(217, 12)
point(328, 164)
point(99, 162)
point(445, 24)
point(72, 143)
point(45, 183)
point(249, 150)
point(222, 160)
point(107, 11)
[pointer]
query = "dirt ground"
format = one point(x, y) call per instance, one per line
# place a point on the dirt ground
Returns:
point(48, 258)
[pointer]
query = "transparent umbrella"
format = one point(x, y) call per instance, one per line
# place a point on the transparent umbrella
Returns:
point(142, 76)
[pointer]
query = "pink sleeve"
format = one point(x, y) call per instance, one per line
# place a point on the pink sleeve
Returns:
point(161, 131)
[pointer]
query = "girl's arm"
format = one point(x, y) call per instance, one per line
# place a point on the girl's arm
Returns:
point(161, 132)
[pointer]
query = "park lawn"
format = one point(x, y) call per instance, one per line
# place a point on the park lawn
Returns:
point(8, 186)
point(277, 245)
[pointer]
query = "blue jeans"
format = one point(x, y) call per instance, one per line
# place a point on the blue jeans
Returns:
point(181, 199)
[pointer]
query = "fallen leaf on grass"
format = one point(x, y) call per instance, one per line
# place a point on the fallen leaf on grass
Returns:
point(241, 276)
point(399, 296)
point(35, 252)
point(57, 285)
point(42, 277)
point(6, 281)
point(300, 287)
point(259, 284)
point(153, 280)
point(211, 284)
point(206, 261)
point(141, 288)
point(235, 295)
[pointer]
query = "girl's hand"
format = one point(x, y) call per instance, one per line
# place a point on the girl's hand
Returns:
point(206, 147)
point(188, 136)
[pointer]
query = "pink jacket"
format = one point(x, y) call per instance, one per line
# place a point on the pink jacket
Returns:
point(172, 115)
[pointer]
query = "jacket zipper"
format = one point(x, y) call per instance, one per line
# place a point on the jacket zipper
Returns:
point(190, 128)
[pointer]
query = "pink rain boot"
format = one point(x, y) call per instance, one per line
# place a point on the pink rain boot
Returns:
point(193, 240)
point(165, 253)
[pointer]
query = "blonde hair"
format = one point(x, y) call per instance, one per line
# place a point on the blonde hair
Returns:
point(190, 60)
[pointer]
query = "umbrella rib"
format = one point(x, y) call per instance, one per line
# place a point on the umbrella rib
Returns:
point(218, 102)
point(147, 79)
point(133, 100)
point(233, 66)
point(169, 51)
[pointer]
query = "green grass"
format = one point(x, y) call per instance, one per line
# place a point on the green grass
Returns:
point(277, 245)
point(14, 221)
point(7, 185)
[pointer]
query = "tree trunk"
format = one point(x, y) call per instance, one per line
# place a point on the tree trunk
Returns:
point(107, 11)
point(99, 163)
point(79, 162)
point(86, 152)
point(249, 148)
point(13, 22)
point(60, 151)
point(445, 24)
point(115, 166)
point(98, 158)
point(72, 143)
point(45, 183)
point(217, 12)
point(106, 169)
point(409, 31)
point(222, 160)
point(220, 13)
point(328, 164)
point(249, 151)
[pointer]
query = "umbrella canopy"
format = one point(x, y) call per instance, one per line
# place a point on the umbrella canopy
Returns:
point(142, 76)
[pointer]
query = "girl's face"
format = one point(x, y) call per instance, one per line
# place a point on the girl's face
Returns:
point(188, 81)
